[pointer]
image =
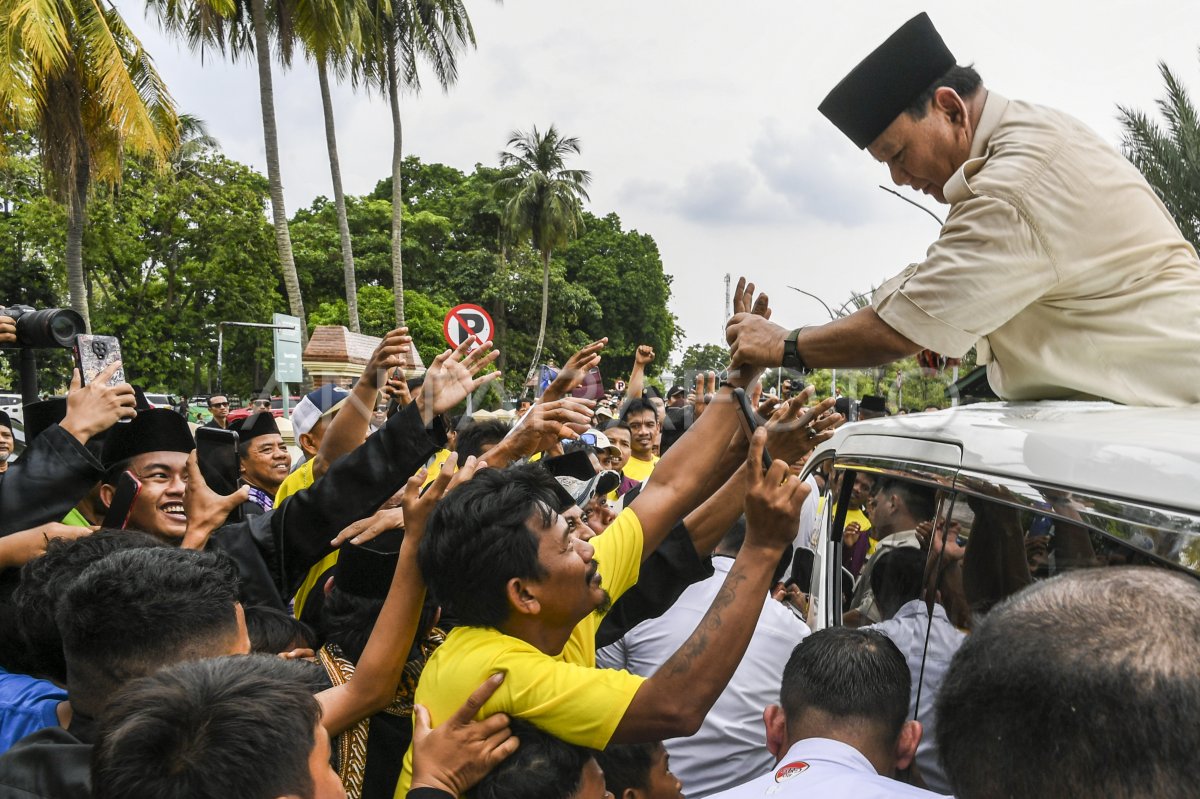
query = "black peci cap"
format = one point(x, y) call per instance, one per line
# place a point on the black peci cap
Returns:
point(41, 414)
point(887, 81)
point(257, 424)
point(155, 430)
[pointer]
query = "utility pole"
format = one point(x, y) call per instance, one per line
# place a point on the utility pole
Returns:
point(728, 307)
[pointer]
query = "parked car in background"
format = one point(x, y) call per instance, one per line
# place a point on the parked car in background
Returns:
point(276, 407)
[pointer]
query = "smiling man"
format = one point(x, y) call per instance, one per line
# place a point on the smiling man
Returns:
point(1057, 259)
point(153, 447)
point(642, 420)
point(264, 458)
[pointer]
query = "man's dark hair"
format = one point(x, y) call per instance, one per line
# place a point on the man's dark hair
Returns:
point(897, 578)
point(543, 767)
point(473, 438)
point(478, 539)
point(347, 621)
point(238, 726)
point(920, 501)
point(135, 611)
point(45, 579)
point(621, 423)
point(964, 80)
point(637, 405)
point(627, 766)
point(273, 631)
point(853, 675)
point(1082, 685)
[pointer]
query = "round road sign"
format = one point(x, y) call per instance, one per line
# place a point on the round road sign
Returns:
point(467, 321)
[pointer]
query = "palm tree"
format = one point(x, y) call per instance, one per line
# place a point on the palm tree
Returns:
point(433, 31)
point(224, 24)
point(74, 72)
point(543, 201)
point(1169, 158)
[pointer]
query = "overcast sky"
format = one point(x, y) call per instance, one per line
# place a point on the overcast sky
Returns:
point(698, 120)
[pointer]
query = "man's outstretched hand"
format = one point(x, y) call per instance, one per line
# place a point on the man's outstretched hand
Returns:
point(754, 340)
point(574, 371)
point(452, 377)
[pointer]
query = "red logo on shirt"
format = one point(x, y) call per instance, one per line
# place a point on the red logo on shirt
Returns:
point(790, 770)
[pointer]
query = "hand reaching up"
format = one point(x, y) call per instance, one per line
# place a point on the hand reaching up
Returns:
point(206, 510)
point(452, 377)
point(773, 499)
point(94, 408)
point(573, 372)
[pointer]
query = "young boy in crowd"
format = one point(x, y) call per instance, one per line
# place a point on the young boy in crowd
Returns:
point(639, 771)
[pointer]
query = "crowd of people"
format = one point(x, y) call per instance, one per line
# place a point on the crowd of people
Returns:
point(606, 598)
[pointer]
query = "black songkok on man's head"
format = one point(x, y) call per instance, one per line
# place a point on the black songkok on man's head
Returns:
point(887, 81)
point(6, 420)
point(41, 414)
point(261, 423)
point(155, 430)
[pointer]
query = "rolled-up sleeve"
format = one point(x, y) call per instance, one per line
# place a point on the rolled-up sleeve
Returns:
point(987, 266)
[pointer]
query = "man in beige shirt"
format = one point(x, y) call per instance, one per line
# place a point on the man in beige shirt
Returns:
point(1057, 260)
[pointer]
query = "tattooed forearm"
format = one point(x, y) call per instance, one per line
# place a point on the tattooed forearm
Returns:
point(695, 646)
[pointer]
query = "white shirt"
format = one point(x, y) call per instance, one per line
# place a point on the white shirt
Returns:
point(822, 768)
point(732, 742)
point(907, 631)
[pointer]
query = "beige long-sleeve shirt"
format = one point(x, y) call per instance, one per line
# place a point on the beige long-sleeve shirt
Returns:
point(1059, 261)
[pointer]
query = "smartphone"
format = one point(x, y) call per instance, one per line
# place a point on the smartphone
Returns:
point(94, 354)
point(217, 454)
point(117, 515)
point(750, 422)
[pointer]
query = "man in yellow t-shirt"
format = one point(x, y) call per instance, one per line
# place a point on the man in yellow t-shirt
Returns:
point(530, 595)
point(642, 419)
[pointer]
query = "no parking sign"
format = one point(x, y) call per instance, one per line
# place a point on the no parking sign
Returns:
point(467, 321)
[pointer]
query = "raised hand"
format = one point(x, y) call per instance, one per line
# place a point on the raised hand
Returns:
point(8, 330)
point(773, 499)
point(94, 408)
point(706, 386)
point(206, 510)
point(644, 355)
point(393, 352)
point(382, 520)
point(396, 388)
point(543, 427)
point(576, 368)
point(452, 377)
point(796, 431)
point(418, 506)
point(456, 755)
point(753, 339)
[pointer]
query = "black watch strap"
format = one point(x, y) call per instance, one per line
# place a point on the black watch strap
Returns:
point(791, 355)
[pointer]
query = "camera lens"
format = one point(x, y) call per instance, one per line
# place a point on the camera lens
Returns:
point(50, 327)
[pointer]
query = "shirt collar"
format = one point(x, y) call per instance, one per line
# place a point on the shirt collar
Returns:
point(917, 608)
point(828, 750)
point(994, 106)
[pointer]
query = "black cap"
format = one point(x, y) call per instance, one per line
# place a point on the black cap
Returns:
point(41, 414)
point(887, 81)
point(155, 430)
point(676, 391)
point(366, 570)
point(873, 404)
point(255, 425)
point(6, 420)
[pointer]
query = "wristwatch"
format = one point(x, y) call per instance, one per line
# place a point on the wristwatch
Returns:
point(791, 355)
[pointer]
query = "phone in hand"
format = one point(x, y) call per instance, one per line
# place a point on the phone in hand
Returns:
point(94, 354)
point(217, 455)
point(128, 488)
point(750, 422)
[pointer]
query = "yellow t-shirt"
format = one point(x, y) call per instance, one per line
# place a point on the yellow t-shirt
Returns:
point(298, 480)
point(639, 470)
point(435, 466)
point(565, 695)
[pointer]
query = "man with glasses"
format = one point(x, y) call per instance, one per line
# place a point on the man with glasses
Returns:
point(218, 406)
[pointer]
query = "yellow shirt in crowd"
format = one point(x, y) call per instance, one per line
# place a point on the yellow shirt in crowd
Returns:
point(298, 480)
point(565, 695)
point(639, 470)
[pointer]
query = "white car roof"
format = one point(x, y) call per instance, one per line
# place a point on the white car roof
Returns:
point(1145, 454)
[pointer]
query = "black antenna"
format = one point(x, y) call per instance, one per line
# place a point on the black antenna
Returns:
point(913, 202)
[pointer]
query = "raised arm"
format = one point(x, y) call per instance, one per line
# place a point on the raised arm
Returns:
point(701, 668)
point(574, 370)
point(378, 671)
point(860, 339)
point(349, 426)
point(700, 461)
point(643, 356)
